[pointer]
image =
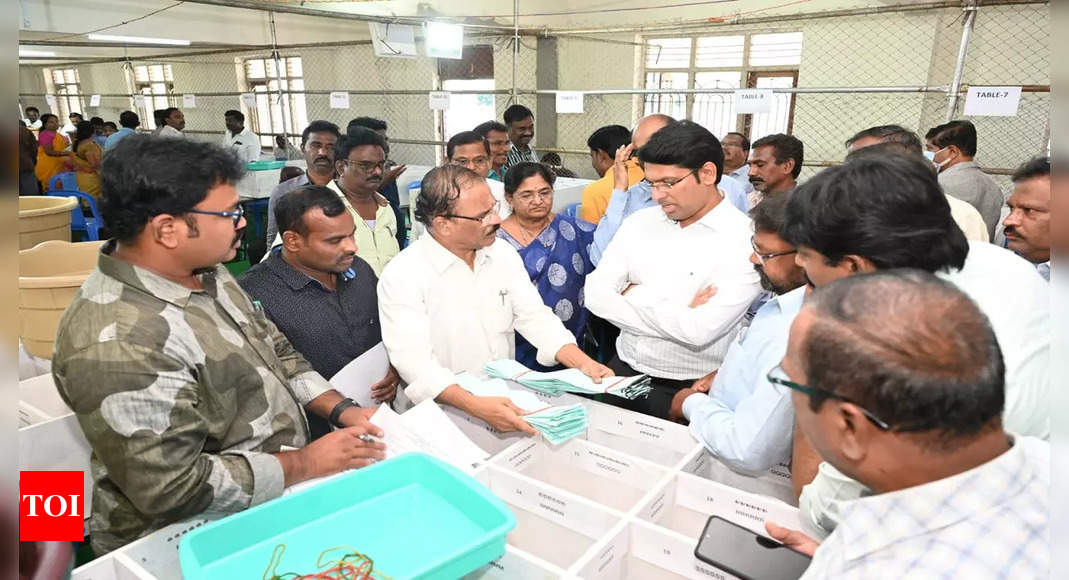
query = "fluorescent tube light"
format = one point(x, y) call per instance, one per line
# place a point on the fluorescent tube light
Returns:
point(31, 52)
point(139, 39)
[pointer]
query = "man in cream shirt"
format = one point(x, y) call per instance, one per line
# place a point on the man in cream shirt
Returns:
point(454, 299)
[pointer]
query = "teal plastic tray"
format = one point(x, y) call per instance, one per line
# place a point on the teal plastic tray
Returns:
point(413, 515)
point(264, 165)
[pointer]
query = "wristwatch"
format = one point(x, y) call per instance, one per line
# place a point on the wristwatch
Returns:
point(335, 414)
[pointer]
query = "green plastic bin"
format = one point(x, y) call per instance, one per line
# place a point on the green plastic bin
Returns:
point(264, 165)
point(414, 516)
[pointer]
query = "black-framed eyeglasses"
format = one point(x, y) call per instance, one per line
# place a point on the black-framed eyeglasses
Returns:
point(765, 257)
point(365, 166)
point(235, 215)
point(485, 218)
point(666, 185)
point(778, 376)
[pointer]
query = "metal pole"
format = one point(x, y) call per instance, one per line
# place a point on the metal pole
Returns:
point(515, 45)
point(963, 50)
point(278, 77)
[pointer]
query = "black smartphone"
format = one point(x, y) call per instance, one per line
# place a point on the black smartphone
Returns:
point(750, 556)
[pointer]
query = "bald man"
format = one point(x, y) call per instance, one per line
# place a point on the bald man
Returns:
point(624, 203)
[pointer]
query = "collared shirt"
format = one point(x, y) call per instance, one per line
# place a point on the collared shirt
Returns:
point(329, 328)
point(169, 131)
point(117, 136)
point(968, 219)
point(496, 175)
point(621, 205)
point(517, 155)
point(183, 395)
point(745, 420)
point(1044, 270)
point(968, 183)
point(991, 521)
point(660, 334)
point(742, 175)
point(246, 145)
point(291, 184)
point(1022, 327)
point(375, 243)
point(440, 317)
point(734, 192)
point(596, 196)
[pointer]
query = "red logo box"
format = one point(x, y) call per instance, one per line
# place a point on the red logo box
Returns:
point(51, 506)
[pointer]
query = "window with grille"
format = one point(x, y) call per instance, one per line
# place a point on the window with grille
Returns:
point(156, 83)
point(280, 106)
point(65, 85)
point(767, 60)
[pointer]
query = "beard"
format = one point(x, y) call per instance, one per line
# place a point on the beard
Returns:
point(766, 282)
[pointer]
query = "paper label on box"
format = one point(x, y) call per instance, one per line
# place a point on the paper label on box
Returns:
point(671, 552)
point(569, 102)
point(339, 100)
point(749, 101)
point(139, 100)
point(94, 100)
point(551, 504)
point(992, 101)
point(746, 509)
point(640, 427)
point(439, 100)
point(249, 100)
point(189, 101)
point(615, 466)
point(608, 560)
point(516, 564)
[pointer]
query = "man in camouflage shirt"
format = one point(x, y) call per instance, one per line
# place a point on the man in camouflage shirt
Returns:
point(188, 395)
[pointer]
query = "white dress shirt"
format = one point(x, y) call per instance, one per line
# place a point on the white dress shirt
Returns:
point(968, 219)
point(745, 420)
point(1015, 299)
point(246, 145)
point(169, 131)
point(992, 521)
point(660, 334)
point(439, 317)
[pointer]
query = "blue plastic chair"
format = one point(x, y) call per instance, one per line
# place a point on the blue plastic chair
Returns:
point(79, 222)
point(66, 181)
point(572, 210)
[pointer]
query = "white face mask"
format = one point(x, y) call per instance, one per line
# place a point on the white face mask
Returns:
point(930, 156)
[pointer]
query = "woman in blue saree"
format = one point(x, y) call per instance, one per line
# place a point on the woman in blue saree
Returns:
point(555, 250)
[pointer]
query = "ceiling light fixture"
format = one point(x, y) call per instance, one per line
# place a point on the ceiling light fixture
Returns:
point(139, 39)
point(29, 52)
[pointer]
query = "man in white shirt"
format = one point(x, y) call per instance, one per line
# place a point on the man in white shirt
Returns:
point(245, 144)
point(453, 300)
point(897, 380)
point(71, 126)
point(677, 278)
point(174, 122)
point(1028, 225)
point(33, 119)
point(888, 211)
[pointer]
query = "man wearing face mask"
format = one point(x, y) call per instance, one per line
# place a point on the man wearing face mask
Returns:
point(317, 145)
point(951, 147)
point(744, 420)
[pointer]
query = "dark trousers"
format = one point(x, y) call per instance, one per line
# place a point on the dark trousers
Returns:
point(659, 400)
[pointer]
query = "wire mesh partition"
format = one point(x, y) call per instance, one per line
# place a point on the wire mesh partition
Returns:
point(831, 75)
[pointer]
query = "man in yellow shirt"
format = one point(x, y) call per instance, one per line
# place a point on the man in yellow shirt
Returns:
point(603, 144)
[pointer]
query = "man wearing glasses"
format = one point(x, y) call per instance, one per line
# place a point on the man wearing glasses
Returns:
point(744, 420)
point(898, 380)
point(677, 279)
point(187, 394)
point(455, 299)
point(360, 162)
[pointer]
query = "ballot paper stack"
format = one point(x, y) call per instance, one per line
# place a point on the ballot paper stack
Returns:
point(568, 381)
point(557, 423)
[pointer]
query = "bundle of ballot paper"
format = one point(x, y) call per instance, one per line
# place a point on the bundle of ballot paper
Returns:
point(568, 381)
point(557, 423)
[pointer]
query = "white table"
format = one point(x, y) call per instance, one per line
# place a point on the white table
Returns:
point(267, 179)
point(568, 190)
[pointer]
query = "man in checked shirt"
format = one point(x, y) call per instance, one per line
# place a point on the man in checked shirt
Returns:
point(189, 396)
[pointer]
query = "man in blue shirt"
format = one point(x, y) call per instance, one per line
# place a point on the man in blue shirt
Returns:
point(129, 121)
point(744, 420)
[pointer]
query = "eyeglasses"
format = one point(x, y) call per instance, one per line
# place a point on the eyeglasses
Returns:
point(778, 376)
point(765, 257)
point(485, 218)
point(478, 161)
point(365, 166)
point(666, 185)
point(235, 215)
point(528, 196)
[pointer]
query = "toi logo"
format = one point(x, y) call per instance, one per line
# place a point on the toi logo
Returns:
point(51, 506)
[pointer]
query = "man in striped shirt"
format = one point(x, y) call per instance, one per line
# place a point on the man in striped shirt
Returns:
point(520, 121)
